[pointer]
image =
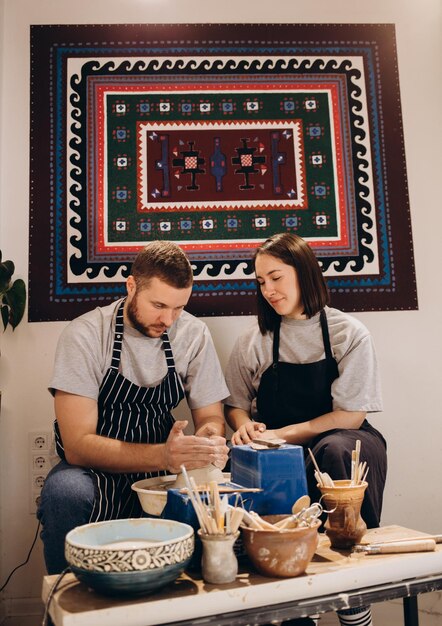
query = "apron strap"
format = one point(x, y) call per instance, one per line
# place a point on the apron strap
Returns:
point(118, 343)
point(276, 343)
point(118, 337)
point(325, 338)
point(325, 335)
point(168, 352)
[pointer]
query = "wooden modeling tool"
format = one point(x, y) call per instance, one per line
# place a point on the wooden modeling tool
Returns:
point(301, 503)
point(322, 477)
point(397, 547)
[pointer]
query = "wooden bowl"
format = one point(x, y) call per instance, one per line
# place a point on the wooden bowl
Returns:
point(284, 553)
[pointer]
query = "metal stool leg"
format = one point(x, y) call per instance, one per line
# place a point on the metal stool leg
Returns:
point(411, 615)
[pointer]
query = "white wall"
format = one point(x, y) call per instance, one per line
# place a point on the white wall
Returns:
point(409, 343)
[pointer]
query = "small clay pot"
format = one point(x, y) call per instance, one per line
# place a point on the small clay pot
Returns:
point(344, 525)
point(284, 553)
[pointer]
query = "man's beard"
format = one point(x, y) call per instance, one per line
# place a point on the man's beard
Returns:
point(132, 316)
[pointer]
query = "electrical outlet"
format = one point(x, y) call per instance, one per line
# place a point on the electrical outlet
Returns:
point(40, 443)
point(38, 481)
point(34, 501)
point(40, 440)
point(40, 462)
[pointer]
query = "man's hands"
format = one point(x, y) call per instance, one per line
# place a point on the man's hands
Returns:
point(194, 451)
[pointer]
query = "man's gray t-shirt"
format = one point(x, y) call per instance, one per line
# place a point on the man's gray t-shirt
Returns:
point(358, 386)
point(84, 353)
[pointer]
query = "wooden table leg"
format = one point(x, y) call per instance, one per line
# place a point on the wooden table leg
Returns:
point(411, 615)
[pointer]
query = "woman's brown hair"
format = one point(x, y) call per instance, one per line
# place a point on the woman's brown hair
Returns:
point(293, 250)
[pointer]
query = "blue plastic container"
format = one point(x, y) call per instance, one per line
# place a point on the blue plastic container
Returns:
point(280, 472)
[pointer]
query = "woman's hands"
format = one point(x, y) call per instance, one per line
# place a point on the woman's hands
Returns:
point(245, 429)
point(247, 432)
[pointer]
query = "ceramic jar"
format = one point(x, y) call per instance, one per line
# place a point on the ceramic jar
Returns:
point(344, 525)
point(219, 564)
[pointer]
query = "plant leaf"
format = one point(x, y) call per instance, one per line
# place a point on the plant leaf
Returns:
point(6, 270)
point(5, 316)
point(15, 297)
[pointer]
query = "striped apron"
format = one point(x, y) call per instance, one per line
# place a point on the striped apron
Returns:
point(130, 413)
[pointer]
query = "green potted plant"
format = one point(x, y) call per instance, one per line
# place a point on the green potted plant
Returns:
point(12, 295)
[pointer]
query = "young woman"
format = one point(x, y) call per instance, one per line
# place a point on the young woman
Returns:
point(307, 373)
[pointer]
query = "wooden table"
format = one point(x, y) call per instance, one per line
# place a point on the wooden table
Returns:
point(333, 580)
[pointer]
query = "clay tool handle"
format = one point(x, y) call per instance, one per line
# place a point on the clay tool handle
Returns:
point(235, 519)
point(419, 545)
point(216, 500)
point(253, 520)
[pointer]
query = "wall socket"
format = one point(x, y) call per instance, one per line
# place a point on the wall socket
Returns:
point(40, 444)
point(40, 440)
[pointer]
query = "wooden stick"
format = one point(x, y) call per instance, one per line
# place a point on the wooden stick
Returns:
point(197, 497)
point(236, 517)
point(264, 524)
point(229, 521)
point(361, 471)
point(353, 466)
point(217, 505)
point(320, 481)
point(318, 478)
point(199, 513)
point(357, 458)
point(251, 521)
point(327, 480)
point(396, 547)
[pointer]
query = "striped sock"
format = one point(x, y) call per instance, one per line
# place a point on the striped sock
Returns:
point(359, 616)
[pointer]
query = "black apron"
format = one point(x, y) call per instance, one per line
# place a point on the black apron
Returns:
point(129, 413)
point(291, 393)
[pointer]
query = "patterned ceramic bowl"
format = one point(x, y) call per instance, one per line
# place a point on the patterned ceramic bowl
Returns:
point(129, 556)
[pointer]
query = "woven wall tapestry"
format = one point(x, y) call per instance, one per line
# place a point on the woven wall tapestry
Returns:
point(216, 137)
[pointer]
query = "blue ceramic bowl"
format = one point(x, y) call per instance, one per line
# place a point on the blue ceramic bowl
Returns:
point(129, 556)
